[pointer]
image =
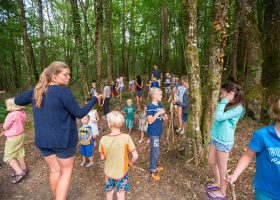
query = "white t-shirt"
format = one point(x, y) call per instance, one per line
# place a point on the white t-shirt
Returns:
point(92, 122)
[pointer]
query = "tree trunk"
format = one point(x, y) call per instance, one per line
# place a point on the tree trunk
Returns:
point(79, 46)
point(218, 44)
point(43, 58)
point(165, 49)
point(253, 85)
point(109, 39)
point(131, 53)
point(98, 41)
point(194, 144)
point(271, 65)
point(124, 68)
point(29, 57)
point(233, 69)
point(84, 8)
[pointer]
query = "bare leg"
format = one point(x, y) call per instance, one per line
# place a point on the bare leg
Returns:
point(180, 117)
point(120, 195)
point(212, 161)
point(54, 171)
point(142, 136)
point(110, 195)
point(22, 164)
point(15, 165)
point(222, 165)
point(63, 184)
point(90, 159)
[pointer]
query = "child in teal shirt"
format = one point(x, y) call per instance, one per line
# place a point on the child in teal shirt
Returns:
point(229, 110)
point(129, 111)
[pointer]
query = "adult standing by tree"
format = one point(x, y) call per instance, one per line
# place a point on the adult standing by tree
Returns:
point(55, 110)
point(157, 74)
point(139, 90)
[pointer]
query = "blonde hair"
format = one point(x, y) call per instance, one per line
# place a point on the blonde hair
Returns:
point(128, 100)
point(45, 78)
point(275, 111)
point(115, 118)
point(11, 106)
point(154, 91)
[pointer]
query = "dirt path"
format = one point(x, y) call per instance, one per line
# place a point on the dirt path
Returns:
point(178, 181)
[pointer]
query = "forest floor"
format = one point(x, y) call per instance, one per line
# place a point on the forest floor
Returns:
point(179, 180)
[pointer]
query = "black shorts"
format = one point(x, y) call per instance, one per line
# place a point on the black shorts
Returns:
point(139, 93)
point(62, 153)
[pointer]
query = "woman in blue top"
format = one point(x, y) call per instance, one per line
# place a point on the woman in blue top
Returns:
point(229, 110)
point(55, 111)
point(265, 147)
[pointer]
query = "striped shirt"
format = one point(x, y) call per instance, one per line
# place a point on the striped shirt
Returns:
point(156, 128)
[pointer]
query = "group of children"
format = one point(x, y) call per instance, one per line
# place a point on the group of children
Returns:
point(115, 147)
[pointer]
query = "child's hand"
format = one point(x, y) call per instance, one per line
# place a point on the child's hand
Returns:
point(99, 97)
point(2, 133)
point(231, 179)
point(161, 111)
point(230, 96)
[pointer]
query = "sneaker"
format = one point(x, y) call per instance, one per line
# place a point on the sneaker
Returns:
point(182, 132)
point(178, 130)
point(89, 165)
point(82, 164)
point(155, 176)
point(160, 169)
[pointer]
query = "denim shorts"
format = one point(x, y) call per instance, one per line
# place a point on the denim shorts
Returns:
point(222, 147)
point(62, 153)
point(120, 88)
point(86, 150)
point(121, 185)
point(185, 117)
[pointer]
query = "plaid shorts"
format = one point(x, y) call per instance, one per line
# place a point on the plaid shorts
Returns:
point(121, 185)
point(129, 123)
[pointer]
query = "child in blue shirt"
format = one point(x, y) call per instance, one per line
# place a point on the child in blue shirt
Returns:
point(154, 83)
point(228, 111)
point(265, 147)
point(86, 141)
point(129, 111)
point(155, 116)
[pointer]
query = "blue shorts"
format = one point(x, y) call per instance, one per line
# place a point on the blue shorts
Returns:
point(129, 123)
point(222, 147)
point(121, 185)
point(120, 88)
point(185, 117)
point(259, 195)
point(86, 150)
point(59, 152)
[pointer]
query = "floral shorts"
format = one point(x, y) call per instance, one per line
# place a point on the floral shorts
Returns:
point(121, 185)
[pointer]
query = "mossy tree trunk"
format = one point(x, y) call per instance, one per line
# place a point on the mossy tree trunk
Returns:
point(253, 85)
point(79, 46)
point(271, 65)
point(43, 57)
point(107, 4)
point(194, 139)
point(216, 62)
point(29, 57)
point(98, 41)
point(165, 45)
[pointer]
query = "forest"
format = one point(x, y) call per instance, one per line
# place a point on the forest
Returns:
point(210, 41)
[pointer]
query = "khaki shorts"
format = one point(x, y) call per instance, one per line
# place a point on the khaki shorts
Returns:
point(14, 148)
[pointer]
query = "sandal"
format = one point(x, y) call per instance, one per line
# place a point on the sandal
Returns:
point(19, 178)
point(211, 187)
point(13, 175)
point(89, 165)
point(211, 195)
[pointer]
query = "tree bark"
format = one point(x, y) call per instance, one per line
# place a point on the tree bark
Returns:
point(165, 46)
point(98, 41)
point(29, 57)
point(271, 65)
point(84, 8)
point(194, 144)
point(253, 85)
point(218, 44)
point(79, 46)
point(109, 39)
point(131, 53)
point(43, 58)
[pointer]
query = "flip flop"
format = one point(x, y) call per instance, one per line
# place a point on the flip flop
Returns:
point(13, 175)
point(210, 187)
point(211, 195)
point(19, 178)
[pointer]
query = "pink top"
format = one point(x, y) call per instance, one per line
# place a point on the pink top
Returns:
point(14, 123)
